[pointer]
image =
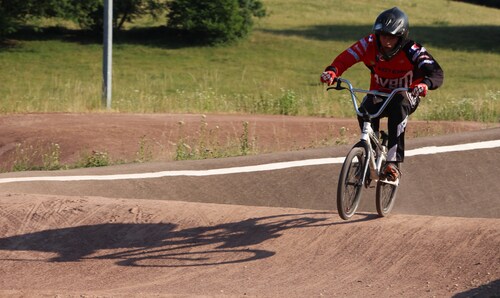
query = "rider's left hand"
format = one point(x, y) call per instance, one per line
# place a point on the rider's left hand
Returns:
point(420, 90)
point(328, 77)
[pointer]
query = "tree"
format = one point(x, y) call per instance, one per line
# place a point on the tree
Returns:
point(12, 14)
point(214, 21)
point(87, 13)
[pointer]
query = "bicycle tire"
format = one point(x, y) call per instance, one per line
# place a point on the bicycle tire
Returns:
point(350, 182)
point(385, 198)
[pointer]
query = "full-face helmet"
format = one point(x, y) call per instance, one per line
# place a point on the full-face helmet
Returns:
point(393, 22)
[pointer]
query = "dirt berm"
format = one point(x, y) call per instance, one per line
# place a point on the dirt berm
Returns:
point(272, 233)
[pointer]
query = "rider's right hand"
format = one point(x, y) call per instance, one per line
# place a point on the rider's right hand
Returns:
point(328, 77)
point(420, 90)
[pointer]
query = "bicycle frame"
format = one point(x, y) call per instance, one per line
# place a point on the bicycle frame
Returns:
point(368, 138)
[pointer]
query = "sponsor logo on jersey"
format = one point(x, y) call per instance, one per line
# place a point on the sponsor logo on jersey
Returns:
point(393, 83)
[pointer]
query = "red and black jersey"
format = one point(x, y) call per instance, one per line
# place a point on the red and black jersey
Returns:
point(411, 65)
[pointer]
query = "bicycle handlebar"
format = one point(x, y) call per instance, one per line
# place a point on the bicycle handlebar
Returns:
point(389, 96)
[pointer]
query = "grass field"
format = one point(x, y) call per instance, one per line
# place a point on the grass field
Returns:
point(275, 71)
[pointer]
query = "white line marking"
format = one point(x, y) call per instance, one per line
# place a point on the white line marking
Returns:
point(453, 148)
point(249, 169)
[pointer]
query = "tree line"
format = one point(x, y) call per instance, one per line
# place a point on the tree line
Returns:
point(214, 21)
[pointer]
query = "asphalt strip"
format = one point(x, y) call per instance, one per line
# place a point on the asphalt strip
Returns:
point(250, 169)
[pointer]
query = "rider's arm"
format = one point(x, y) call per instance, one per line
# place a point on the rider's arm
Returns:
point(427, 69)
point(351, 55)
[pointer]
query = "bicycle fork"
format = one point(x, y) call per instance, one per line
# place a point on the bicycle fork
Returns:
point(371, 165)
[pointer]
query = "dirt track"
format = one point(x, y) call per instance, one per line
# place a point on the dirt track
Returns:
point(272, 233)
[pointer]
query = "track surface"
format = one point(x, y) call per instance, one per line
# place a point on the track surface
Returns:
point(273, 233)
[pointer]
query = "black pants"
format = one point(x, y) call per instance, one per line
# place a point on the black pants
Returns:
point(397, 112)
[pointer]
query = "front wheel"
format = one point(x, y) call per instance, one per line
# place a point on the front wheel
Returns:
point(351, 183)
point(386, 196)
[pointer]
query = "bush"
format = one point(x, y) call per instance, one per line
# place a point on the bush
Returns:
point(214, 21)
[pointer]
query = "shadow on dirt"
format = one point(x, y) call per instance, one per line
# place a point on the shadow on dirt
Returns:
point(489, 290)
point(161, 245)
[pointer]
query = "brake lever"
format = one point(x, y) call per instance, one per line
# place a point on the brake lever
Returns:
point(337, 87)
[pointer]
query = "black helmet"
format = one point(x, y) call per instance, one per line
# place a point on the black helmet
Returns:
point(395, 22)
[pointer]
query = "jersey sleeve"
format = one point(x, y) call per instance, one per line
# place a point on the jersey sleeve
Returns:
point(352, 55)
point(427, 69)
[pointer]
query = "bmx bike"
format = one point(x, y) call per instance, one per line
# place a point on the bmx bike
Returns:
point(366, 159)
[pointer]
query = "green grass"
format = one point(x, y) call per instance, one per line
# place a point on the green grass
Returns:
point(275, 71)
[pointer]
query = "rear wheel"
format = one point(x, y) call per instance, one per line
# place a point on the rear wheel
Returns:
point(386, 196)
point(351, 183)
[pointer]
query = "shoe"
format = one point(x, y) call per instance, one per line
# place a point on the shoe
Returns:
point(391, 172)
